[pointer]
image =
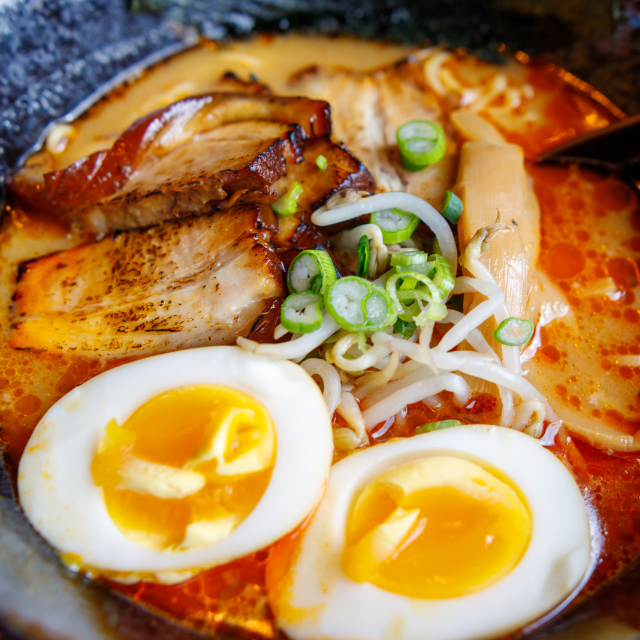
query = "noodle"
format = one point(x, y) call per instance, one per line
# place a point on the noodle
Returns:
point(294, 349)
point(415, 393)
point(371, 382)
point(330, 380)
point(350, 411)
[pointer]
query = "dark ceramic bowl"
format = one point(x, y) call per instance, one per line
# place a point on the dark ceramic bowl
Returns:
point(58, 54)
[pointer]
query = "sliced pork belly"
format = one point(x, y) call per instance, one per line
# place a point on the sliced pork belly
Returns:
point(368, 108)
point(356, 118)
point(120, 178)
point(202, 173)
point(193, 282)
point(343, 170)
point(293, 136)
point(404, 96)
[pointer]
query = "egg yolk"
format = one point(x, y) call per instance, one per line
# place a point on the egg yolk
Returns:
point(186, 467)
point(437, 527)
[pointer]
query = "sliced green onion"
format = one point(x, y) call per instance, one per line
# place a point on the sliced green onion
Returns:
point(443, 277)
point(451, 207)
point(396, 225)
point(413, 311)
point(322, 162)
point(427, 269)
point(287, 204)
point(315, 284)
point(409, 258)
point(408, 303)
point(410, 307)
point(359, 305)
point(405, 329)
point(409, 295)
point(363, 256)
point(434, 426)
point(421, 143)
point(408, 283)
point(514, 331)
point(362, 342)
point(302, 312)
point(311, 270)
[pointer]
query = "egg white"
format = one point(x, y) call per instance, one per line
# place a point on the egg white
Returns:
point(56, 487)
point(555, 562)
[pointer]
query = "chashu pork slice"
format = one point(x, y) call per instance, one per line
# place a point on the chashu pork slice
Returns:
point(356, 117)
point(342, 171)
point(366, 110)
point(112, 183)
point(193, 282)
point(203, 173)
point(405, 96)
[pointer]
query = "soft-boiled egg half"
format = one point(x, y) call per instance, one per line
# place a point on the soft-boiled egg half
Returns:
point(165, 466)
point(465, 533)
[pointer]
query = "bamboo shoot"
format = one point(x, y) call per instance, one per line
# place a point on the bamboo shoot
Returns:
point(492, 178)
point(474, 127)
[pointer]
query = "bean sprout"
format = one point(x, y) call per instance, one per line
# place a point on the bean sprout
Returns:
point(508, 411)
point(366, 360)
point(480, 344)
point(332, 389)
point(279, 332)
point(349, 239)
point(529, 417)
point(350, 411)
point(399, 200)
point(474, 364)
point(294, 349)
point(549, 437)
point(474, 337)
point(475, 317)
point(478, 366)
point(412, 376)
point(415, 393)
point(371, 382)
point(345, 439)
point(424, 343)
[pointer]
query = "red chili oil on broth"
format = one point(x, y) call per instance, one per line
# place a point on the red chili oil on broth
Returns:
point(569, 113)
point(576, 207)
point(590, 225)
point(588, 222)
point(480, 409)
point(231, 597)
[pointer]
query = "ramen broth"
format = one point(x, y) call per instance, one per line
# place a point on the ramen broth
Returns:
point(586, 289)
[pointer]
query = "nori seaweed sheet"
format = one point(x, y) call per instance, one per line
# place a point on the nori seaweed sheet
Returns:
point(54, 53)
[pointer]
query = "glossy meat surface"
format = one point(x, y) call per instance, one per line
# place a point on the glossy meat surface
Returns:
point(126, 174)
point(343, 171)
point(188, 283)
point(201, 173)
